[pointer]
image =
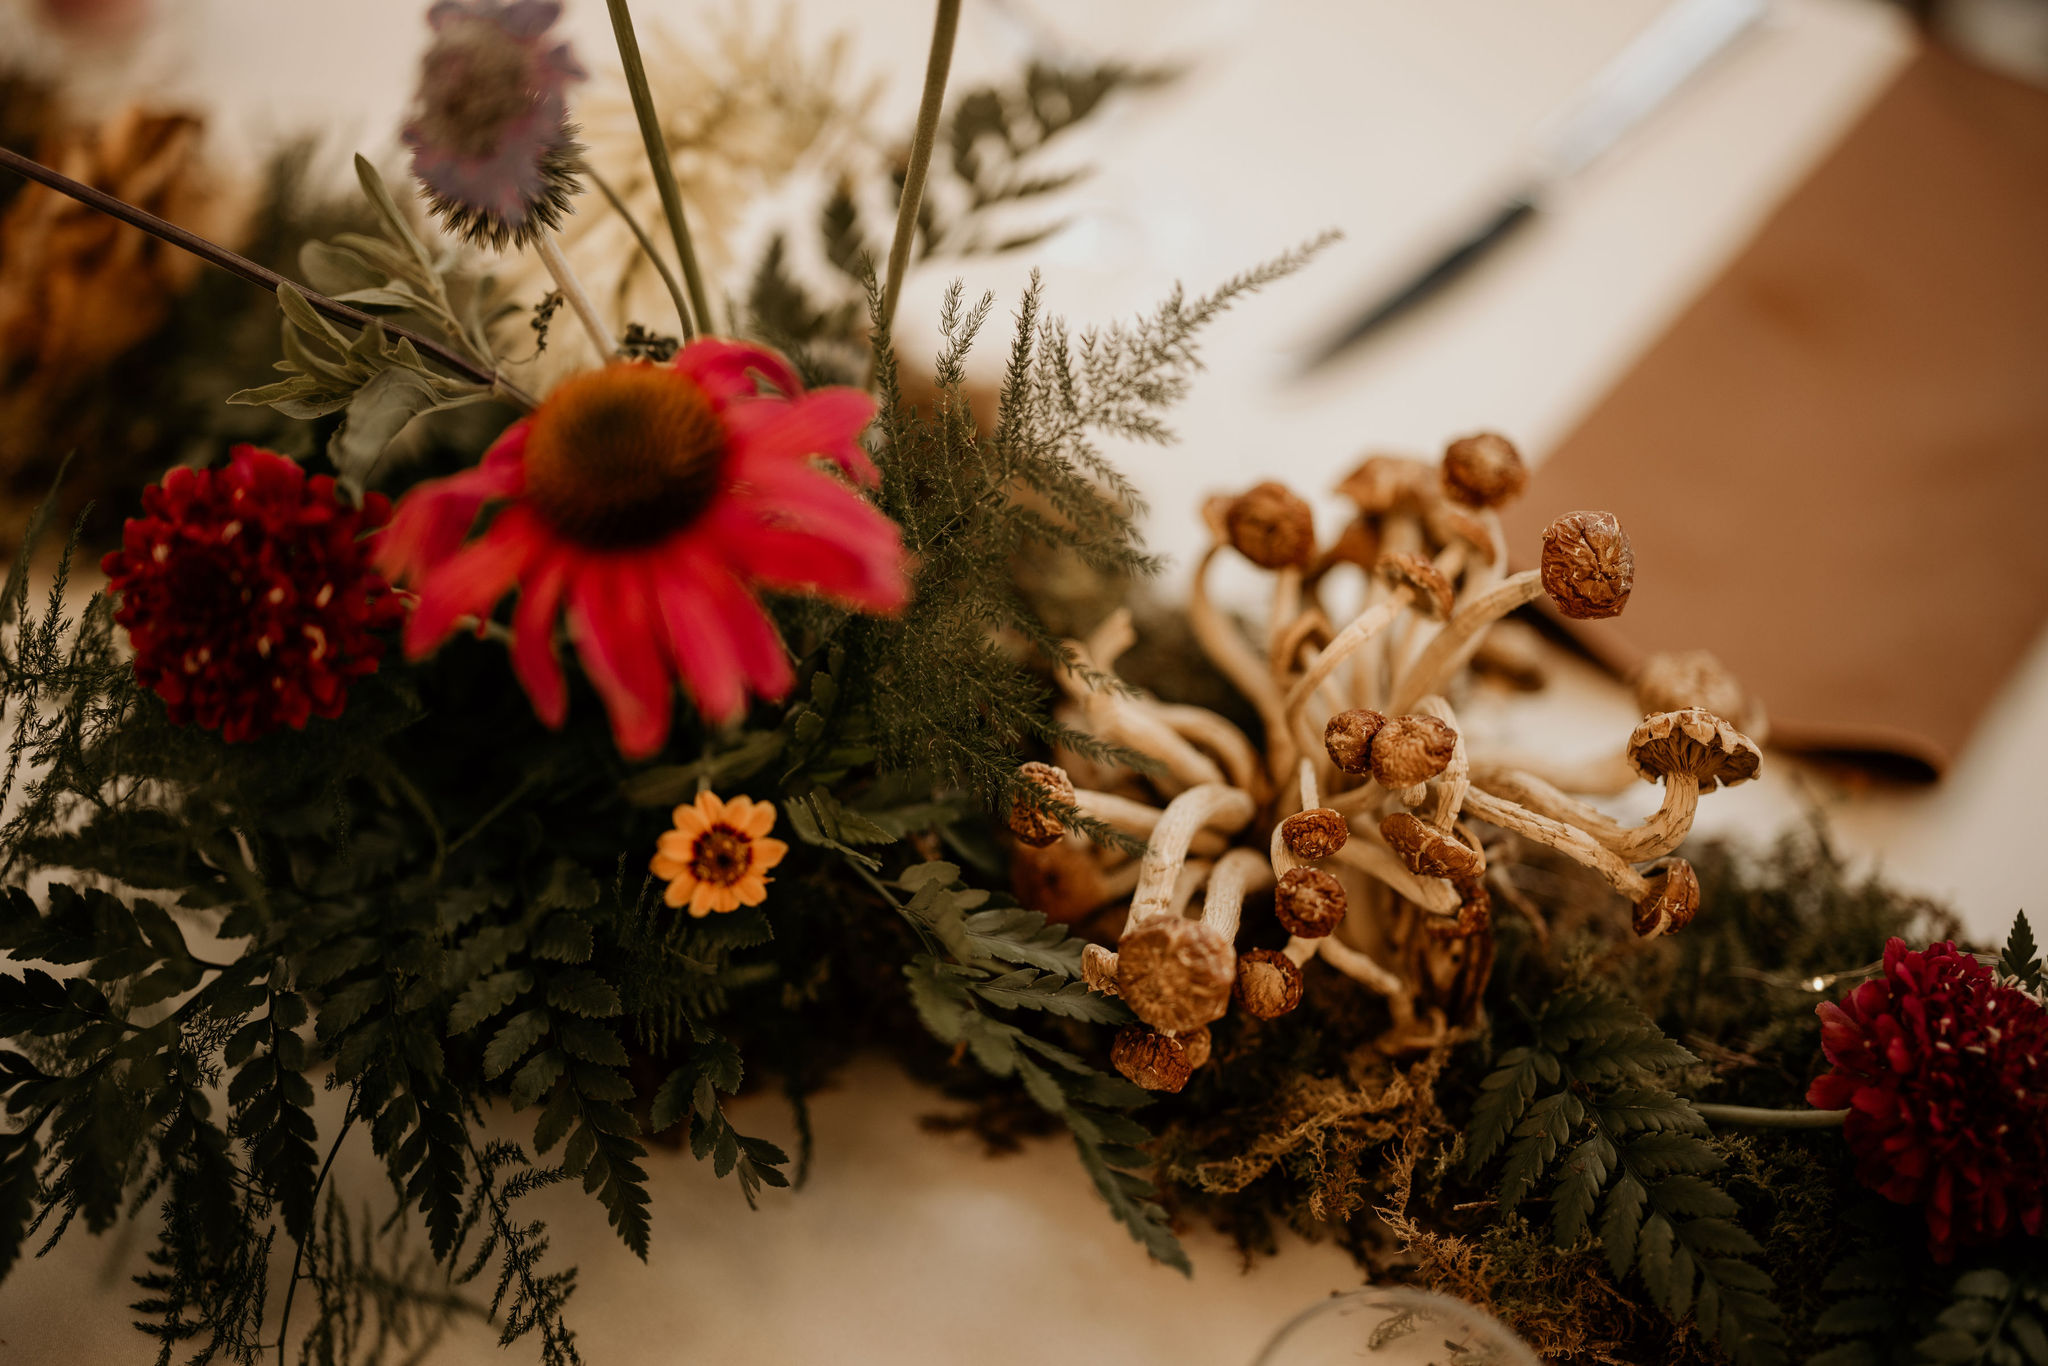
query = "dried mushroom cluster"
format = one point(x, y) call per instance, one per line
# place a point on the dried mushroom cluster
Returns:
point(1363, 813)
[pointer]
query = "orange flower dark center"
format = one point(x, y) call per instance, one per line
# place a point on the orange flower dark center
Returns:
point(623, 455)
point(721, 856)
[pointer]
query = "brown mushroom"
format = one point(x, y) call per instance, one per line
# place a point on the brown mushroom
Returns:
point(1428, 851)
point(1268, 983)
point(1175, 973)
point(1475, 911)
point(1040, 788)
point(1683, 679)
point(1673, 899)
point(1386, 483)
point(1348, 738)
point(1158, 1061)
point(1066, 880)
point(1484, 470)
point(1431, 590)
point(1315, 833)
point(1272, 527)
point(1309, 902)
point(1410, 750)
point(1587, 570)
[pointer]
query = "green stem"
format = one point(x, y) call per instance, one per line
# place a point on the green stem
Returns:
point(236, 264)
point(1759, 1118)
point(668, 277)
point(944, 25)
point(658, 162)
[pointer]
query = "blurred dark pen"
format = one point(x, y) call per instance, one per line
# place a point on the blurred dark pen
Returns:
point(1677, 43)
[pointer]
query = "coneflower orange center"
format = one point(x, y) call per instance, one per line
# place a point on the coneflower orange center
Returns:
point(624, 455)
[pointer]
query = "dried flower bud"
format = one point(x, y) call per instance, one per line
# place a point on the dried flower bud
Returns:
point(1695, 744)
point(1428, 851)
point(1349, 738)
point(1588, 568)
point(1268, 983)
point(1484, 471)
point(1155, 1061)
point(1410, 750)
point(1315, 833)
point(1673, 901)
point(1433, 596)
point(1272, 527)
point(1309, 902)
point(1175, 973)
point(1032, 822)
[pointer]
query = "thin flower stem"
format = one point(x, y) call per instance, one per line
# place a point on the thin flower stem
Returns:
point(236, 264)
point(668, 277)
point(1759, 1118)
point(699, 317)
point(945, 24)
point(572, 289)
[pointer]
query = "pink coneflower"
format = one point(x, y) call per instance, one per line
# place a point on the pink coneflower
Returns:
point(489, 132)
point(650, 503)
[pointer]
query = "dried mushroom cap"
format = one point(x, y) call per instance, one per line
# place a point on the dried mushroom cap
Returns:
point(1062, 881)
point(1268, 983)
point(1673, 900)
point(1695, 743)
point(1446, 521)
point(1484, 471)
point(1195, 1044)
point(1682, 679)
point(1308, 902)
point(1475, 909)
point(1410, 750)
point(1588, 568)
point(1315, 833)
point(1428, 851)
point(1433, 596)
point(1349, 736)
point(1033, 822)
point(1356, 544)
point(1383, 483)
point(1155, 1061)
point(1272, 527)
point(1175, 973)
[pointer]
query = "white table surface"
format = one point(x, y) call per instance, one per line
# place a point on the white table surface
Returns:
point(1384, 118)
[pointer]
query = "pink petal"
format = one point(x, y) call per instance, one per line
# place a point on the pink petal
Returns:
point(796, 561)
point(703, 649)
point(759, 650)
point(534, 657)
point(470, 583)
point(828, 422)
point(619, 639)
point(434, 518)
point(720, 368)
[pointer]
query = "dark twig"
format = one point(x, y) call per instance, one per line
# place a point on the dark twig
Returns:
point(236, 264)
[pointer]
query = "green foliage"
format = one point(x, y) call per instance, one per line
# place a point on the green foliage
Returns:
point(378, 383)
point(2021, 960)
point(1888, 1311)
point(1587, 1105)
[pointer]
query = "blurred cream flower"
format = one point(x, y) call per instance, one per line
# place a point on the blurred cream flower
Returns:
point(746, 108)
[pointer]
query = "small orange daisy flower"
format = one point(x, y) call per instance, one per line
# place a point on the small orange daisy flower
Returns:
point(718, 856)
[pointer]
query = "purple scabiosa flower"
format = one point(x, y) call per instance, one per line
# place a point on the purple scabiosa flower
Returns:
point(491, 142)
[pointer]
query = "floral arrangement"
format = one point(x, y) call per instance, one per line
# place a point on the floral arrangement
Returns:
point(543, 750)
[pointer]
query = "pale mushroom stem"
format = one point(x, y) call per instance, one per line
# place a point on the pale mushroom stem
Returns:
point(1235, 874)
point(1356, 633)
point(1662, 832)
point(1220, 738)
point(1460, 636)
point(1227, 808)
point(1129, 720)
point(1602, 777)
point(1193, 876)
point(1365, 853)
point(1453, 782)
point(1133, 817)
point(1566, 839)
point(1235, 659)
point(1359, 966)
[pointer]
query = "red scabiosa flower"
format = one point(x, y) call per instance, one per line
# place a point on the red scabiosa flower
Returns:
point(648, 504)
point(489, 132)
point(1944, 1072)
point(248, 594)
